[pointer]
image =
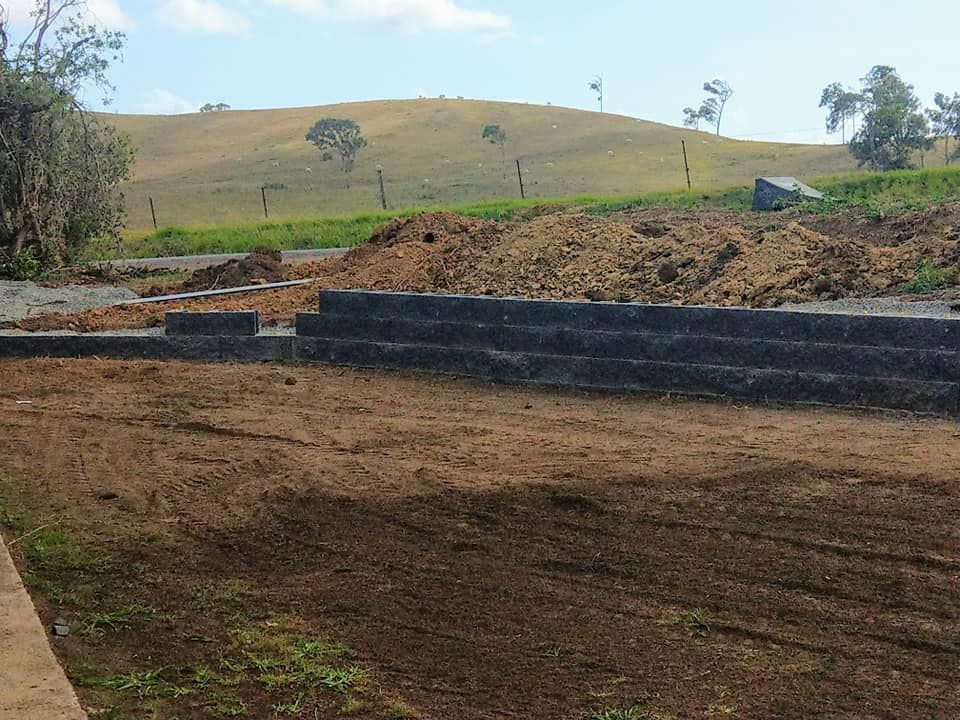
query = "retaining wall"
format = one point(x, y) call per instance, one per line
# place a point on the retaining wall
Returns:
point(873, 361)
point(760, 355)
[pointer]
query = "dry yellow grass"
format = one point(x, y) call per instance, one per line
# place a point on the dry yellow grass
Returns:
point(207, 169)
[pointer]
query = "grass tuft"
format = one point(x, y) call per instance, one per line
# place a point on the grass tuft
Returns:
point(929, 278)
point(697, 622)
point(96, 625)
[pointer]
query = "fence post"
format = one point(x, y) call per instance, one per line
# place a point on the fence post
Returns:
point(153, 214)
point(523, 195)
point(263, 194)
point(686, 165)
point(383, 194)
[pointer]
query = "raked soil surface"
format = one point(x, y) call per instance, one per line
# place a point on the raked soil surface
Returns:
point(485, 552)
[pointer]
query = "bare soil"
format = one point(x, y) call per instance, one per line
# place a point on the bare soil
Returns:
point(487, 552)
point(662, 256)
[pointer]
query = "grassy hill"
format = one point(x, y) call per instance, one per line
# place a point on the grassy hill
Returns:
point(208, 169)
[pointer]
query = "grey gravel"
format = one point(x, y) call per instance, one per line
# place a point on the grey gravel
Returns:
point(881, 306)
point(23, 299)
point(194, 262)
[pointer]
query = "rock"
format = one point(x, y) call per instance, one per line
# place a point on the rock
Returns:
point(667, 272)
point(290, 381)
point(60, 628)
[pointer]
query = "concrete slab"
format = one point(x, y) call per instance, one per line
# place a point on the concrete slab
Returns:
point(33, 686)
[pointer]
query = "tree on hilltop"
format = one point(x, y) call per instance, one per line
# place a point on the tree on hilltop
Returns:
point(211, 107)
point(597, 86)
point(496, 135)
point(343, 137)
point(711, 109)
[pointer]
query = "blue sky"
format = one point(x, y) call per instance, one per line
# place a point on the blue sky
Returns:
point(654, 57)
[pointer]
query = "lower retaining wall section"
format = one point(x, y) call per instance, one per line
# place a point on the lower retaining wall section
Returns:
point(865, 361)
point(261, 348)
point(641, 376)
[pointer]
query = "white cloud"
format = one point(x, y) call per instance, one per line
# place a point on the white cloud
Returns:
point(202, 16)
point(411, 15)
point(106, 13)
point(164, 102)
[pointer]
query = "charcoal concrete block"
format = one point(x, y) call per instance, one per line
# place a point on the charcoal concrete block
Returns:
point(868, 361)
point(213, 323)
point(875, 330)
point(641, 376)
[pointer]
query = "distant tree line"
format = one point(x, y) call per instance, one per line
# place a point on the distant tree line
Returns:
point(211, 107)
point(893, 125)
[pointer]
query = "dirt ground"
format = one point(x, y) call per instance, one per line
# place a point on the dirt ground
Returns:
point(710, 257)
point(486, 552)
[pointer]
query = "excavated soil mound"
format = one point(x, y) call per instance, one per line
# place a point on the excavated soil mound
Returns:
point(263, 265)
point(718, 258)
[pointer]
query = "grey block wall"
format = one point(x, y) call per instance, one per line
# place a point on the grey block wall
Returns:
point(212, 323)
point(871, 361)
point(757, 355)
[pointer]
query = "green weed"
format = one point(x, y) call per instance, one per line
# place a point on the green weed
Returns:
point(929, 278)
point(146, 684)
point(96, 625)
point(697, 621)
point(631, 713)
point(399, 710)
point(13, 520)
point(294, 707)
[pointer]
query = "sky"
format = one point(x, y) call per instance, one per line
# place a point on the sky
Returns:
point(654, 56)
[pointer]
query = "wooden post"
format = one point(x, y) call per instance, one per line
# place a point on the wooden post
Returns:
point(153, 214)
point(523, 195)
point(383, 194)
point(686, 165)
point(263, 194)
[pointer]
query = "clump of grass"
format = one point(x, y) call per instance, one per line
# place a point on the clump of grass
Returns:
point(697, 622)
point(96, 625)
point(631, 713)
point(929, 278)
point(13, 520)
point(146, 684)
point(54, 549)
point(299, 667)
point(399, 710)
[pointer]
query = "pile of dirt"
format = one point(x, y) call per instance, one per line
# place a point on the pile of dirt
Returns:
point(261, 266)
point(711, 257)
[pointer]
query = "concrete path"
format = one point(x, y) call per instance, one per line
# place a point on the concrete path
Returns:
point(32, 683)
point(193, 262)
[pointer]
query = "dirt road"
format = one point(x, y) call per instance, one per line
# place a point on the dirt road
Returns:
point(496, 553)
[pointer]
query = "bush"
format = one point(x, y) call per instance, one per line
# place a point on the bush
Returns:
point(24, 265)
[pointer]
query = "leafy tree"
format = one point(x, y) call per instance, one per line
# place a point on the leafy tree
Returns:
point(945, 121)
point(210, 107)
point(893, 126)
point(711, 110)
point(60, 166)
point(842, 105)
point(496, 135)
point(343, 137)
point(691, 118)
point(714, 106)
point(597, 86)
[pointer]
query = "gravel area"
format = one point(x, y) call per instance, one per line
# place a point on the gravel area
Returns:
point(949, 309)
point(23, 299)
